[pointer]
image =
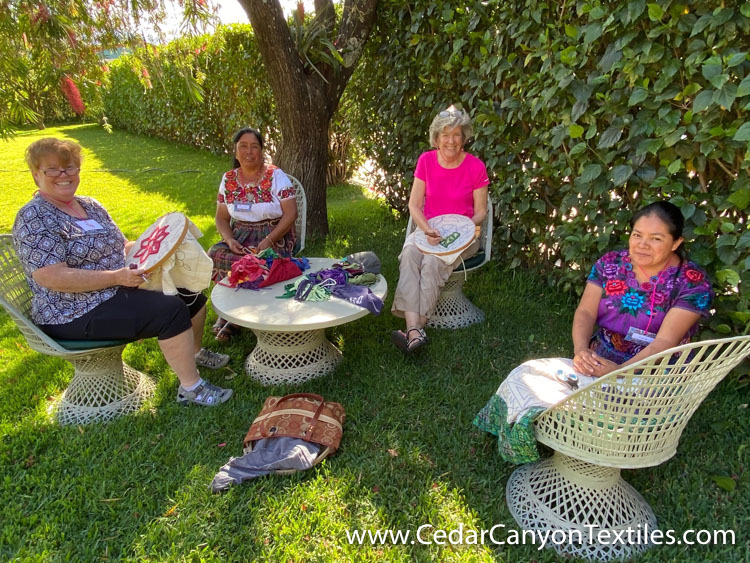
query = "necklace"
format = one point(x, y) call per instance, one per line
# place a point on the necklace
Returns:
point(257, 178)
point(68, 204)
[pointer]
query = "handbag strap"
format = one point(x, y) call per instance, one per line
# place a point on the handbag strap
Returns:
point(315, 417)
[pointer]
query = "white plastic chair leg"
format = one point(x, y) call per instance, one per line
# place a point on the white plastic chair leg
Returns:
point(102, 388)
point(454, 310)
point(564, 493)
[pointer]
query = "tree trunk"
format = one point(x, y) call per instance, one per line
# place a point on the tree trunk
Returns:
point(305, 100)
point(304, 154)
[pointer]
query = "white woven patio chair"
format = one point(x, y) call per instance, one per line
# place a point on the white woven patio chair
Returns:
point(300, 224)
point(629, 419)
point(453, 309)
point(102, 387)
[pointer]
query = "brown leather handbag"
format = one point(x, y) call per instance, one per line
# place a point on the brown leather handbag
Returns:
point(299, 415)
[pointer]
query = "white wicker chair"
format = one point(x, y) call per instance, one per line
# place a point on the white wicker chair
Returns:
point(628, 419)
point(300, 225)
point(102, 387)
point(453, 309)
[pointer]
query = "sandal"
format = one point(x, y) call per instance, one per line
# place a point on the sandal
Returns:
point(209, 359)
point(407, 345)
point(206, 395)
point(218, 325)
point(226, 332)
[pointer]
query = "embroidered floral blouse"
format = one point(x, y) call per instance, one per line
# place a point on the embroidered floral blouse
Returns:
point(255, 202)
point(44, 235)
point(626, 302)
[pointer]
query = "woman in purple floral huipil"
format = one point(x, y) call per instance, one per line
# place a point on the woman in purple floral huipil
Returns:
point(637, 302)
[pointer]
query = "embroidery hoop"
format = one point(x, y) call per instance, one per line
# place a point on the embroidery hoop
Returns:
point(175, 227)
point(446, 225)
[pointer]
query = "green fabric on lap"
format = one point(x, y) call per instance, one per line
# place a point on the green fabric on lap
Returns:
point(515, 442)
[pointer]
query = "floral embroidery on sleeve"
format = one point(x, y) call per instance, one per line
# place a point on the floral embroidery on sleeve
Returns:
point(695, 293)
point(605, 269)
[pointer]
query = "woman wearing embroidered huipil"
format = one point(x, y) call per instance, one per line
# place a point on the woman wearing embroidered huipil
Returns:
point(256, 209)
point(637, 302)
point(447, 180)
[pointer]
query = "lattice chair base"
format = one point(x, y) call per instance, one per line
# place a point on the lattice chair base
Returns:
point(103, 387)
point(563, 493)
point(454, 310)
point(291, 357)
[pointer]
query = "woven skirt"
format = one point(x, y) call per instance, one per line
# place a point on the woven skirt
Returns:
point(249, 235)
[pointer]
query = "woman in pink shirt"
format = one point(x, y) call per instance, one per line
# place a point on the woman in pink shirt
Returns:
point(447, 180)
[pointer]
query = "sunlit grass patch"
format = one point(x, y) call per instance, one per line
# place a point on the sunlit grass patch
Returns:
point(138, 487)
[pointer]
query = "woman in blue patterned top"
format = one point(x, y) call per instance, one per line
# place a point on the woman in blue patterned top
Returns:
point(73, 256)
point(638, 302)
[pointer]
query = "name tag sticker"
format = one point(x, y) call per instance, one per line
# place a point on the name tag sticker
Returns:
point(89, 225)
point(242, 207)
point(639, 336)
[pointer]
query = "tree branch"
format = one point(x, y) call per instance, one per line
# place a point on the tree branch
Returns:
point(325, 14)
point(356, 23)
point(725, 169)
point(283, 64)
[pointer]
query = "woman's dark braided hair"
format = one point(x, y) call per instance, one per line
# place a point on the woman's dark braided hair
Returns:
point(671, 215)
point(238, 136)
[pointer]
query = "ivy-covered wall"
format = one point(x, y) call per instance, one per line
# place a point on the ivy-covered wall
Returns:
point(150, 94)
point(584, 111)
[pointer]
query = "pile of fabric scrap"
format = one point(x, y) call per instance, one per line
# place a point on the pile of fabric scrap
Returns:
point(254, 271)
point(347, 279)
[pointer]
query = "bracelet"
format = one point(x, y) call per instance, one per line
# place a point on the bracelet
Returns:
point(269, 238)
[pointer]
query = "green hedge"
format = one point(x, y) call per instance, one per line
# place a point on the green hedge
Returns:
point(583, 112)
point(148, 94)
point(148, 91)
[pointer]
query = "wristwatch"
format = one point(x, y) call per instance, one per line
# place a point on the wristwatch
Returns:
point(570, 379)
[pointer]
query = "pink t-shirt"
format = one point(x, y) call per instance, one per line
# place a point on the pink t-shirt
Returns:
point(450, 190)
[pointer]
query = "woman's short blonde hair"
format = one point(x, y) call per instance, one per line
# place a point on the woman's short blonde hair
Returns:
point(451, 118)
point(69, 152)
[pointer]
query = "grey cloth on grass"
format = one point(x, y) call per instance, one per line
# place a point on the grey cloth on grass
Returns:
point(268, 455)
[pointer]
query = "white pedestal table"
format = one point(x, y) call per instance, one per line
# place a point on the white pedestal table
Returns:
point(292, 346)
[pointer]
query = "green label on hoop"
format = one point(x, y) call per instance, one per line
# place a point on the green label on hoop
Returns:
point(450, 239)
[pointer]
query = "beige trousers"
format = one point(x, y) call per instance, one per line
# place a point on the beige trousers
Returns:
point(421, 278)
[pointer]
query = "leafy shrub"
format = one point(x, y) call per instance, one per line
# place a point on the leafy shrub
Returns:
point(199, 91)
point(583, 112)
point(195, 91)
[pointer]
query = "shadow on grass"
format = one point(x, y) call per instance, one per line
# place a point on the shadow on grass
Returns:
point(182, 174)
point(138, 487)
point(114, 481)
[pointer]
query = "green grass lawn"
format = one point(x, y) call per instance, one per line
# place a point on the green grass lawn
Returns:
point(138, 487)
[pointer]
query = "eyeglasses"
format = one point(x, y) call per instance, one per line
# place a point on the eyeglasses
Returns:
point(55, 172)
point(451, 113)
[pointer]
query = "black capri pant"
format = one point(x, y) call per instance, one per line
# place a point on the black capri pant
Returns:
point(133, 314)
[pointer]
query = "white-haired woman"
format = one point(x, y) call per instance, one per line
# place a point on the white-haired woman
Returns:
point(446, 180)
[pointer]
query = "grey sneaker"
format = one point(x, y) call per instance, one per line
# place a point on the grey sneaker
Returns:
point(209, 359)
point(207, 395)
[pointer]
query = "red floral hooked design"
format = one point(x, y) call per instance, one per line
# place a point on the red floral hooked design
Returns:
point(151, 244)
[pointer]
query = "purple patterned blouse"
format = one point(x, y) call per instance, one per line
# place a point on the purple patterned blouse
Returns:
point(626, 302)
